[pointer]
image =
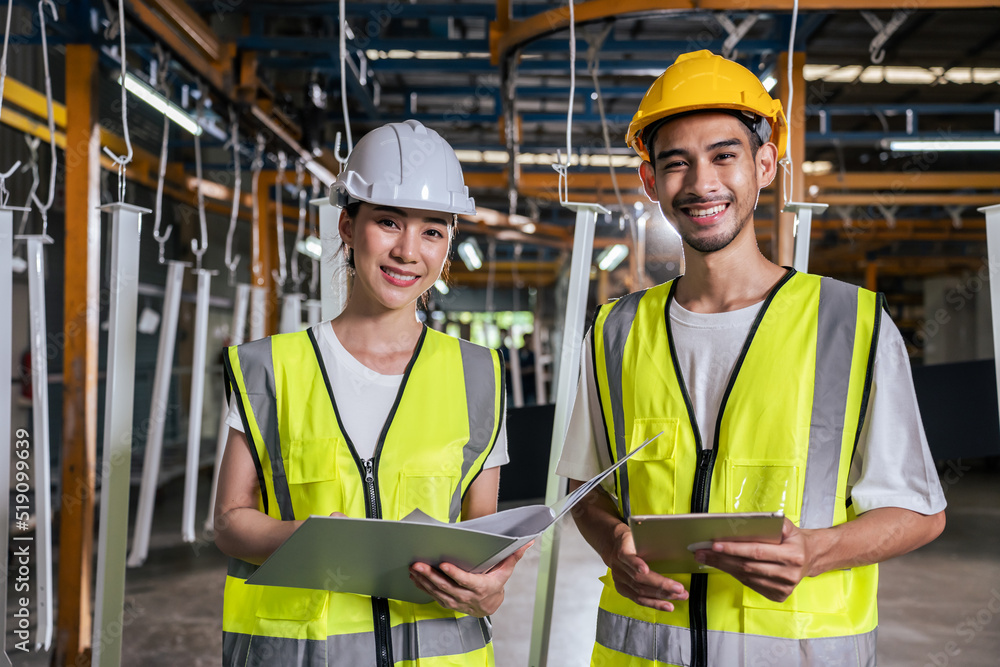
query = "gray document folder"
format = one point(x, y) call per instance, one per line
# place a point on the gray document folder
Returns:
point(667, 543)
point(373, 556)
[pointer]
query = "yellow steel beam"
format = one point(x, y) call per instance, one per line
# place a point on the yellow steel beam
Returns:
point(79, 424)
point(503, 41)
point(32, 100)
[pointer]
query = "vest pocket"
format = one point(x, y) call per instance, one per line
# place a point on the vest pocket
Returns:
point(313, 475)
point(763, 486)
point(431, 492)
point(654, 467)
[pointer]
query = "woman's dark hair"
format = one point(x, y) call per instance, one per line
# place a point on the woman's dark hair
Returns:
point(354, 207)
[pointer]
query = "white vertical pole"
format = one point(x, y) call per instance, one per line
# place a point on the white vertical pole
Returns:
point(516, 382)
point(239, 325)
point(541, 396)
point(6, 351)
point(565, 390)
point(993, 255)
point(258, 312)
point(314, 312)
point(117, 456)
point(196, 405)
point(40, 420)
point(803, 231)
point(291, 313)
point(157, 413)
point(332, 266)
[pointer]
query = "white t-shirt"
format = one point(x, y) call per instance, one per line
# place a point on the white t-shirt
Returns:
point(892, 466)
point(364, 398)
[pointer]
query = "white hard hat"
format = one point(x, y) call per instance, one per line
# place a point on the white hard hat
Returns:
point(406, 165)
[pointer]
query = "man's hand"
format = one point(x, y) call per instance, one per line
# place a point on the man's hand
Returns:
point(773, 570)
point(634, 580)
point(474, 594)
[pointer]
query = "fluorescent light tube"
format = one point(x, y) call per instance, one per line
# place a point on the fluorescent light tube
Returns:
point(441, 286)
point(470, 253)
point(611, 257)
point(944, 145)
point(160, 103)
point(311, 247)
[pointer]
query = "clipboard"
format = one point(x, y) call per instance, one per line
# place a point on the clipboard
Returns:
point(667, 542)
point(373, 556)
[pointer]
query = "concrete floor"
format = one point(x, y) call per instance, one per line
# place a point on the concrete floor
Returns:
point(938, 606)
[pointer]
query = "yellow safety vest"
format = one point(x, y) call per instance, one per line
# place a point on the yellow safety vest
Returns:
point(788, 426)
point(440, 430)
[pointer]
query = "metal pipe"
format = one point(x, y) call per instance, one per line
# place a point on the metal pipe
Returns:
point(314, 312)
point(258, 312)
point(239, 326)
point(6, 352)
point(803, 231)
point(117, 456)
point(157, 414)
point(993, 255)
point(565, 389)
point(40, 423)
point(291, 313)
point(195, 409)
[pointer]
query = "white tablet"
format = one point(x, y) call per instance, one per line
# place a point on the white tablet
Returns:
point(667, 542)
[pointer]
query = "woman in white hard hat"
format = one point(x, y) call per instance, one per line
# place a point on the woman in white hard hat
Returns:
point(370, 415)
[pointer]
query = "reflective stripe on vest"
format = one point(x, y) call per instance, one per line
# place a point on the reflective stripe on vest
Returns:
point(431, 638)
point(670, 645)
point(784, 440)
point(440, 430)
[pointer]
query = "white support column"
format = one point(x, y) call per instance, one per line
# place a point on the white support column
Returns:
point(40, 423)
point(6, 353)
point(196, 405)
point(993, 255)
point(803, 230)
point(516, 381)
point(565, 391)
point(291, 313)
point(332, 271)
point(117, 456)
point(258, 312)
point(237, 337)
point(157, 413)
point(314, 311)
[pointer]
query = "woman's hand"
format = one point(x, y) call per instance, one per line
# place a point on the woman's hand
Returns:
point(473, 594)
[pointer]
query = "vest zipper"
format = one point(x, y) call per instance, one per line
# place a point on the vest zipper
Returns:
point(380, 606)
point(698, 610)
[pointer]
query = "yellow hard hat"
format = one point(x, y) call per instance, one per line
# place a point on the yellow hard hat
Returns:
point(699, 81)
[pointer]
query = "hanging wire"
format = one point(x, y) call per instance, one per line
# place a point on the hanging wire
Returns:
point(200, 245)
point(593, 66)
point(3, 77)
point(300, 183)
point(314, 276)
point(44, 208)
point(343, 74)
point(161, 85)
point(280, 274)
point(559, 167)
point(234, 141)
point(121, 160)
point(255, 168)
point(787, 173)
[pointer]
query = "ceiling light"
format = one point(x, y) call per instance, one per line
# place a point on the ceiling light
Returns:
point(611, 257)
point(528, 228)
point(769, 82)
point(944, 145)
point(470, 253)
point(441, 286)
point(160, 103)
point(311, 247)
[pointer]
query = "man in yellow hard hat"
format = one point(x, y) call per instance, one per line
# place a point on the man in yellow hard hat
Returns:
point(774, 390)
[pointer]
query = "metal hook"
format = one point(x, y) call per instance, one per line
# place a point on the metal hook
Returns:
point(280, 273)
point(336, 152)
point(198, 247)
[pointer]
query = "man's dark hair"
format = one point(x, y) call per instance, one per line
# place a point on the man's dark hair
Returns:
point(649, 134)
